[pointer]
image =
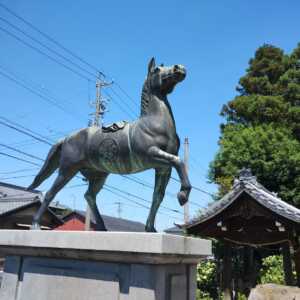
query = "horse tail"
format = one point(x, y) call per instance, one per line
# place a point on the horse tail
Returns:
point(50, 165)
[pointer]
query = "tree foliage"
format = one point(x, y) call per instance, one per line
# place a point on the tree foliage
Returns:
point(272, 270)
point(262, 125)
point(207, 280)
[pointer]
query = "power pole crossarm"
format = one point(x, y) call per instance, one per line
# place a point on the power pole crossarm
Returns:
point(100, 103)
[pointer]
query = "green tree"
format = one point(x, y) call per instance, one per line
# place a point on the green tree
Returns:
point(272, 270)
point(206, 280)
point(262, 125)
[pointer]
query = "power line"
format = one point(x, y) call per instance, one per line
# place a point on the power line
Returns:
point(22, 127)
point(195, 188)
point(121, 107)
point(24, 132)
point(17, 171)
point(18, 158)
point(137, 203)
point(27, 142)
point(128, 199)
point(21, 152)
point(49, 100)
point(127, 106)
point(47, 47)
point(51, 39)
point(36, 86)
point(126, 94)
point(138, 181)
point(142, 199)
point(148, 185)
point(52, 58)
point(33, 134)
point(17, 177)
point(43, 53)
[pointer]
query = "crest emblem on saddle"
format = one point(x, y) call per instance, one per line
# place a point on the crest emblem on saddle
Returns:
point(114, 126)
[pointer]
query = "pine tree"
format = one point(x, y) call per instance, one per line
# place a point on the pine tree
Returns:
point(262, 125)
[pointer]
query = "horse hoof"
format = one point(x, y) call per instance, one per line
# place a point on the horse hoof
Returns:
point(182, 198)
point(100, 228)
point(35, 226)
point(150, 229)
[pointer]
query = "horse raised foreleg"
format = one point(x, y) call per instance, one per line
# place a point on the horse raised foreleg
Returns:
point(162, 177)
point(95, 185)
point(164, 157)
point(64, 176)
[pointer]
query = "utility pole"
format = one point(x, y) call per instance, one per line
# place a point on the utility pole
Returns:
point(186, 163)
point(100, 108)
point(119, 210)
point(100, 102)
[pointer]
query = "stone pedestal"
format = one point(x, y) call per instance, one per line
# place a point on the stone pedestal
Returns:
point(49, 265)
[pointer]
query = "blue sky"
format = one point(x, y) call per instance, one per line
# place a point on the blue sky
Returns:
point(213, 39)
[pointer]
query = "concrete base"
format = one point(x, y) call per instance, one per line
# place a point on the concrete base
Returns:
point(52, 265)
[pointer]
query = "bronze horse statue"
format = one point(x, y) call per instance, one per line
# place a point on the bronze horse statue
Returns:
point(149, 142)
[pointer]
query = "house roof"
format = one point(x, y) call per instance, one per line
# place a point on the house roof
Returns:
point(13, 197)
point(175, 230)
point(247, 183)
point(112, 223)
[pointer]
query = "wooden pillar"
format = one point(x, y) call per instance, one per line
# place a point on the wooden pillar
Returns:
point(248, 272)
point(227, 272)
point(297, 259)
point(287, 264)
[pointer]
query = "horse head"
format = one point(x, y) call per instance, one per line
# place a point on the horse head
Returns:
point(163, 79)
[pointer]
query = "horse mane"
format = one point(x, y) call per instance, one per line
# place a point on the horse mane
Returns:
point(145, 98)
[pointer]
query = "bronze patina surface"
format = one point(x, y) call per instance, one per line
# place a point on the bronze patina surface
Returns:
point(149, 142)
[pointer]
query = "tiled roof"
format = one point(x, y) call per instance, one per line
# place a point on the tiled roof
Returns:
point(13, 197)
point(117, 224)
point(9, 205)
point(248, 184)
point(175, 230)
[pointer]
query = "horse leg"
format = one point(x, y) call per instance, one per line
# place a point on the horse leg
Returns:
point(164, 157)
point(95, 185)
point(162, 178)
point(64, 176)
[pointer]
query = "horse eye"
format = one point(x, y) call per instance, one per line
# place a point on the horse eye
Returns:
point(156, 70)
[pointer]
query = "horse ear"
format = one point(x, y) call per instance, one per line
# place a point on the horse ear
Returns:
point(151, 65)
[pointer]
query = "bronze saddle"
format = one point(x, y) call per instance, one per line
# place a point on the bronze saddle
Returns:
point(114, 126)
